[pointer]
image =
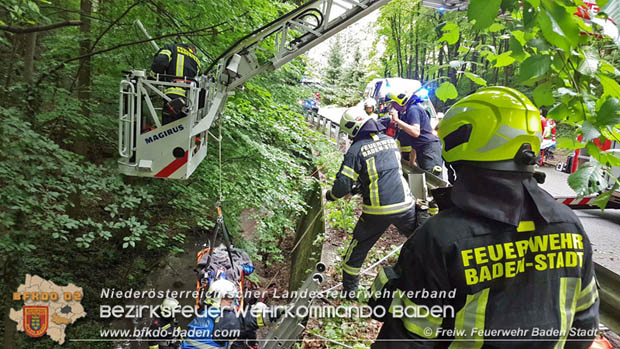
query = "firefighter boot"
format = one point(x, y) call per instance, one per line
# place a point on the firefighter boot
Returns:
point(349, 285)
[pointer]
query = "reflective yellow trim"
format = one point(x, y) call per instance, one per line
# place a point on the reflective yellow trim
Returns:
point(373, 176)
point(415, 324)
point(374, 137)
point(388, 209)
point(166, 326)
point(587, 297)
point(332, 195)
point(167, 53)
point(569, 287)
point(347, 268)
point(259, 320)
point(526, 226)
point(471, 316)
point(187, 53)
point(175, 91)
point(347, 255)
point(156, 346)
point(351, 270)
point(180, 64)
point(406, 149)
point(349, 172)
point(379, 283)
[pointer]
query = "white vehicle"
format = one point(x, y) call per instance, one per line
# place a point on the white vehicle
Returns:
point(379, 88)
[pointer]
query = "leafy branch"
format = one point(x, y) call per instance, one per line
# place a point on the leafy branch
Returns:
point(42, 28)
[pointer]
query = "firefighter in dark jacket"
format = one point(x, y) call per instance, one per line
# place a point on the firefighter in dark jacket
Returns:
point(166, 328)
point(373, 163)
point(506, 266)
point(178, 63)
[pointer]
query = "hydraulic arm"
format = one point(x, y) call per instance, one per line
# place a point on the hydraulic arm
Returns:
point(150, 148)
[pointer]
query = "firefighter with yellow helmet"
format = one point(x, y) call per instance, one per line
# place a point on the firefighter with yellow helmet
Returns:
point(502, 263)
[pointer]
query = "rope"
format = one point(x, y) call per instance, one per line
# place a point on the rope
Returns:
point(365, 271)
point(307, 229)
point(219, 151)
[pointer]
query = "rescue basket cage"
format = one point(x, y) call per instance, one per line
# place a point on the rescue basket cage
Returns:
point(147, 146)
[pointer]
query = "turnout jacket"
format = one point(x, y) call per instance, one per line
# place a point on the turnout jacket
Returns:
point(373, 161)
point(168, 334)
point(176, 60)
point(505, 262)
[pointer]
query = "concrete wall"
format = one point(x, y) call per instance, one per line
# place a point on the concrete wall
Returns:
point(306, 255)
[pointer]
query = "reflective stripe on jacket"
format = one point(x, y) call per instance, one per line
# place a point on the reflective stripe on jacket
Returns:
point(176, 60)
point(488, 283)
point(374, 162)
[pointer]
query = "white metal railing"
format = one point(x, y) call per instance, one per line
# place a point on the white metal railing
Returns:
point(329, 128)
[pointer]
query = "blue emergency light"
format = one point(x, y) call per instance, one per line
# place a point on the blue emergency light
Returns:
point(422, 93)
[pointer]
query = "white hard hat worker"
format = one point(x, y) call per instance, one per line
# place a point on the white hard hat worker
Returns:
point(168, 307)
point(221, 293)
point(369, 105)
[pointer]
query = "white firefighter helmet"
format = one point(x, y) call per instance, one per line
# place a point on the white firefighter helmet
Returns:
point(168, 307)
point(370, 102)
point(352, 121)
point(220, 289)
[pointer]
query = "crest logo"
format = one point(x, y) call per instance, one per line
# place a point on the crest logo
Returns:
point(36, 319)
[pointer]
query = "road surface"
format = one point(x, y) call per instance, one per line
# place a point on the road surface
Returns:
point(333, 113)
point(603, 228)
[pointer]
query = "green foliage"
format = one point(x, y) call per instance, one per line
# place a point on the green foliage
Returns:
point(343, 82)
point(483, 12)
point(335, 60)
point(341, 215)
point(450, 33)
point(475, 78)
point(587, 180)
point(446, 91)
point(543, 94)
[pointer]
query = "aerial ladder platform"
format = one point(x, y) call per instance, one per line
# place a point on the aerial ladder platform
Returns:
point(149, 148)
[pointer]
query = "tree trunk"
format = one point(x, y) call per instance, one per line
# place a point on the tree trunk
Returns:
point(30, 40)
point(81, 143)
point(441, 56)
point(9, 331)
point(84, 80)
point(395, 24)
point(423, 65)
point(31, 44)
point(13, 58)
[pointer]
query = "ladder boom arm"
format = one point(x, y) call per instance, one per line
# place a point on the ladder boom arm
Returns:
point(279, 42)
point(288, 37)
